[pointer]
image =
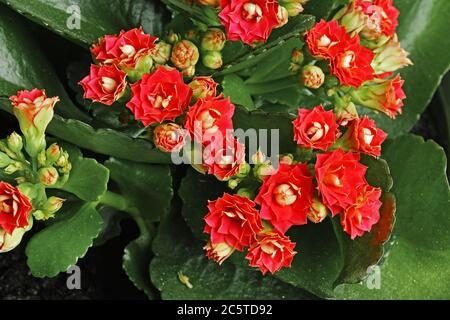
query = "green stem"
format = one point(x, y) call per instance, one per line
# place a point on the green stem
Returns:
point(118, 202)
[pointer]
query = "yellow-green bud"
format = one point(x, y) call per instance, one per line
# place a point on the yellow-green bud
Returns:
point(5, 160)
point(161, 52)
point(312, 77)
point(213, 40)
point(52, 205)
point(212, 59)
point(15, 143)
point(48, 176)
point(53, 153)
point(14, 167)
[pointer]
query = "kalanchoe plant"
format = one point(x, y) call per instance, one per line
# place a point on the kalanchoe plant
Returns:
point(313, 211)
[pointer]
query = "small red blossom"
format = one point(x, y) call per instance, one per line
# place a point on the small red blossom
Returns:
point(327, 39)
point(272, 252)
point(364, 136)
point(339, 175)
point(364, 213)
point(232, 220)
point(249, 21)
point(159, 96)
point(104, 84)
point(123, 50)
point(286, 196)
point(315, 129)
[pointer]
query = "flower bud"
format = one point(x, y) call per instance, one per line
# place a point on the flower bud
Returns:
point(282, 16)
point(14, 167)
point(244, 192)
point(297, 56)
point(143, 65)
point(42, 158)
point(15, 143)
point(312, 77)
point(48, 176)
point(263, 171)
point(169, 137)
point(244, 170)
point(212, 60)
point(5, 160)
point(184, 54)
point(161, 52)
point(286, 159)
point(188, 72)
point(63, 159)
point(233, 183)
point(7, 151)
point(293, 7)
point(34, 111)
point(52, 206)
point(390, 58)
point(218, 252)
point(258, 158)
point(53, 153)
point(172, 38)
point(203, 87)
point(318, 211)
point(346, 113)
point(213, 40)
point(352, 18)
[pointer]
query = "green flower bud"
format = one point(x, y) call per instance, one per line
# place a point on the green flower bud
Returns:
point(184, 54)
point(212, 59)
point(318, 211)
point(53, 153)
point(143, 65)
point(5, 160)
point(52, 206)
point(233, 183)
point(15, 143)
point(14, 167)
point(312, 77)
point(63, 159)
point(41, 158)
point(188, 72)
point(172, 37)
point(244, 170)
point(244, 192)
point(161, 52)
point(48, 176)
point(213, 40)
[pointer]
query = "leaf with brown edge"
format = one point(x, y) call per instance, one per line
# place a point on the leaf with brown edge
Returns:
point(361, 253)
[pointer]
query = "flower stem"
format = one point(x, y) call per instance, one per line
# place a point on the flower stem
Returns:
point(118, 202)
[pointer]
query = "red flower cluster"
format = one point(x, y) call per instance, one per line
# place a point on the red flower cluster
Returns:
point(15, 208)
point(349, 61)
point(233, 223)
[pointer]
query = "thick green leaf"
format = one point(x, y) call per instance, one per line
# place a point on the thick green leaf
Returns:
point(234, 87)
point(204, 14)
point(88, 179)
point(136, 259)
point(111, 224)
point(323, 9)
point(418, 260)
point(58, 246)
point(195, 191)
point(146, 187)
point(263, 120)
point(104, 141)
point(423, 31)
point(23, 66)
point(298, 25)
point(97, 18)
point(179, 254)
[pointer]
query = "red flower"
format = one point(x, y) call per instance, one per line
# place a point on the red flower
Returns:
point(352, 65)
point(364, 136)
point(361, 216)
point(15, 208)
point(327, 39)
point(125, 49)
point(339, 175)
point(316, 128)
point(208, 117)
point(271, 252)
point(169, 137)
point(382, 17)
point(286, 196)
point(104, 84)
point(224, 157)
point(249, 21)
point(159, 96)
point(233, 220)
